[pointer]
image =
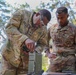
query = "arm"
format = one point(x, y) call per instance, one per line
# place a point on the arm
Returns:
point(48, 41)
point(42, 43)
point(12, 29)
point(48, 53)
point(75, 47)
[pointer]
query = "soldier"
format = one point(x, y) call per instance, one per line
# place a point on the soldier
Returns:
point(24, 30)
point(63, 43)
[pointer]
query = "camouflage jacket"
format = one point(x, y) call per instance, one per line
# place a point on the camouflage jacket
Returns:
point(63, 38)
point(18, 29)
point(63, 43)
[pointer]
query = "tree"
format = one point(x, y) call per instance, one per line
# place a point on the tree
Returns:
point(5, 11)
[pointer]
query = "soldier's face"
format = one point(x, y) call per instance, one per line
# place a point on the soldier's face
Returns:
point(62, 18)
point(40, 21)
point(43, 20)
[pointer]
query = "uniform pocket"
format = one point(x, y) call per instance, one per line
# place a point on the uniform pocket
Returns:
point(10, 72)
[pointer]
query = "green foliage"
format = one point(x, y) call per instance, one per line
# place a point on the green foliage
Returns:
point(4, 16)
point(20, 6)
point(44, 63)
point(74, 21)
point(4, 10)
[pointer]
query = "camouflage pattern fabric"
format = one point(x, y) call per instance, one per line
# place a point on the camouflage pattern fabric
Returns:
point(64, 40)
point(18, 29)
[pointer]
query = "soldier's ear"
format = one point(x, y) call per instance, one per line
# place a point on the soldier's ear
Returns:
point(37, 14)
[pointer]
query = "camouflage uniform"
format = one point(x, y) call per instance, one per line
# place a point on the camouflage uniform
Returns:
point(63, 39)
point(18, 29)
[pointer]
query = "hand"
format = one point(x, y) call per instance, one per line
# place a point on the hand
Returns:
point(30, 44)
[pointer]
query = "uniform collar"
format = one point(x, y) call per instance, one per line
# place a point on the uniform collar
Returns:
point(31, 19)
point(59, 27)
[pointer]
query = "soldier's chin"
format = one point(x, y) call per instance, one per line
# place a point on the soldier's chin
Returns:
point(61, 24)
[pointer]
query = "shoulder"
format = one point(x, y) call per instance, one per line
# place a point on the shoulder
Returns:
point(53, 27)
point(21, 12)
point(26, 11)
point(72, 26)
